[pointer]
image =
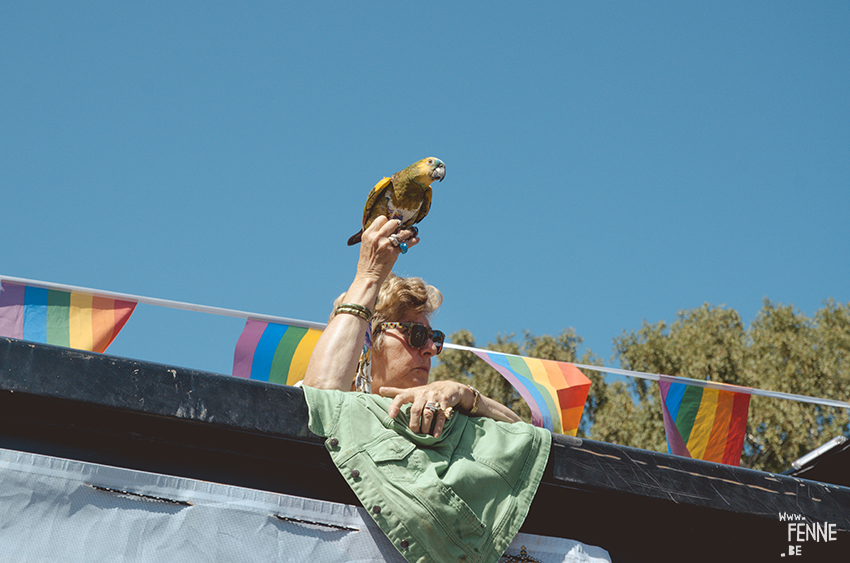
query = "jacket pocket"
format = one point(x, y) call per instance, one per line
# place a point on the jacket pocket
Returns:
point(390, 447)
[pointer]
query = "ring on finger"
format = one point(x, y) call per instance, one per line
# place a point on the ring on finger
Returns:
point(432, 406)
point(398, 243)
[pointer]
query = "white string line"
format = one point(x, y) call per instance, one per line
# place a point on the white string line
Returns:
point(320, 326)
point(167, 303)
point(686, 380)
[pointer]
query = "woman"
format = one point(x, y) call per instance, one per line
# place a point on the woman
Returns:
point(403, 342)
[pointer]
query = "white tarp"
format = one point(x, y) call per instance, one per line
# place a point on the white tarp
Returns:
point(54, 509)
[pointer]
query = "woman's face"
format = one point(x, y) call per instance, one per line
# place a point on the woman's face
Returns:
point(397, 363)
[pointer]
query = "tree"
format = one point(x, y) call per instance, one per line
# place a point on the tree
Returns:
point(794, 354)
point(705, 343)
point(782, 351)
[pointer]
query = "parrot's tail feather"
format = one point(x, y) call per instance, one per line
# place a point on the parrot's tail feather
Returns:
point(355, 238)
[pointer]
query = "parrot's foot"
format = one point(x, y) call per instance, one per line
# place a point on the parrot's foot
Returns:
point(413, 230)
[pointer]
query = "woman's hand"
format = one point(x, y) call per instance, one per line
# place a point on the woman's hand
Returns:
point(446, 394)
point(377, 252)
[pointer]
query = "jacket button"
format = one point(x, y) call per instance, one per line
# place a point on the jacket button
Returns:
point(376, 509)
point(355, 474)
point(404, 544)
point(333, 442)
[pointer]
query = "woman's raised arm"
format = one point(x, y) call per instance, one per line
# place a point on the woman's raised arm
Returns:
point(333, 363)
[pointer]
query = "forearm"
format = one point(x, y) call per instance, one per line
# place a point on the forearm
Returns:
point(486, 407)
point(497, 411)
point(333, 363)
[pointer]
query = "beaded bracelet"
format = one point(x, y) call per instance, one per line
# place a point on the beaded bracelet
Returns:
point(354, 309)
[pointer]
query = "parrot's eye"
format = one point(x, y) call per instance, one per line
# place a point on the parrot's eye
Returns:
point(430, 161)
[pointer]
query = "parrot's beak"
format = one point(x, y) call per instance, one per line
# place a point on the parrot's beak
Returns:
point(439, 172)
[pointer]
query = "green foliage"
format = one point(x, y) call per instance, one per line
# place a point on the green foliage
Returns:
point(704, 343)
point(782, 350)
point(794, 354)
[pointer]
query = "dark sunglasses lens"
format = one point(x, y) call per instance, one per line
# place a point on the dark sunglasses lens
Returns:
point(418, 336)
point(438, 338)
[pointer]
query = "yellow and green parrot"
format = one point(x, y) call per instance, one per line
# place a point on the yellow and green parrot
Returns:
point(405, 196)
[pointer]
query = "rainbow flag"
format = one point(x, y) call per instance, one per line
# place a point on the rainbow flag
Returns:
point(555, 391)
point(704, 423)
point(274, 352)
point(70, 319)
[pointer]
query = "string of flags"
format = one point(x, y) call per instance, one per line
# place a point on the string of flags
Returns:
point(702, 419)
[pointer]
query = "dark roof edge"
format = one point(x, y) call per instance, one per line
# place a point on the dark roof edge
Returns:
point(117, 400)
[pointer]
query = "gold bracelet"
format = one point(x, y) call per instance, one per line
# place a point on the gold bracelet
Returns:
point(475, 401)
point(354, 309)
point(357, 306)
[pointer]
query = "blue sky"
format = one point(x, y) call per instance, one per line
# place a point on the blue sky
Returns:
point(607, 162)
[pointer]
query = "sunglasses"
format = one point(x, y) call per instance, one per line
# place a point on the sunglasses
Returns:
point(419, 334)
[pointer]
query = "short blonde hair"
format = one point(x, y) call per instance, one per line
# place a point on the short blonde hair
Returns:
point(399, 297)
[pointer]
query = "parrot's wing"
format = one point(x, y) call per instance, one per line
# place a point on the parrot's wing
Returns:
point(426, 205)
point(374, 197)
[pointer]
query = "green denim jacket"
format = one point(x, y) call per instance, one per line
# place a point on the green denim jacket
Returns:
point(460, 497)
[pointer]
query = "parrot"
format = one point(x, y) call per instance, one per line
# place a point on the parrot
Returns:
point(405, 196)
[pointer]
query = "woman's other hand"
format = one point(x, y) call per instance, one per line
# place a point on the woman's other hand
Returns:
point(446, 394)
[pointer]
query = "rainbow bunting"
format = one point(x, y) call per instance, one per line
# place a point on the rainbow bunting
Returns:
point(62, 318)
point(274, 352)
point(555, 391)
point(704, 423)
